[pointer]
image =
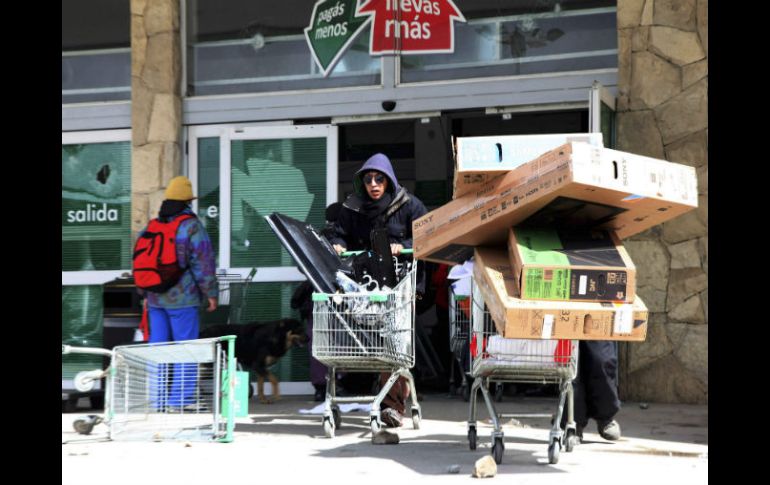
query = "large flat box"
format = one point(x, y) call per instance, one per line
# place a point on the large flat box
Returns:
point(535, 319)
point(576, 185)
point(479, 159)
point(571, 264)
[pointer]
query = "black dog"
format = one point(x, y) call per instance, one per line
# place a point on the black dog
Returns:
point(260, 344)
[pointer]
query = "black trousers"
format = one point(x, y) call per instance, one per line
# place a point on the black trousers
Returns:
point(596, 384)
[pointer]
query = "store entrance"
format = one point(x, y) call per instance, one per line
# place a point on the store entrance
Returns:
point(420, 151)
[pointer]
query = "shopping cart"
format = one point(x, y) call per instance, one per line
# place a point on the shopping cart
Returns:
point(233, 289)
point(366, 332)
point(494, 358)
point(459, 325)
point(164, 391)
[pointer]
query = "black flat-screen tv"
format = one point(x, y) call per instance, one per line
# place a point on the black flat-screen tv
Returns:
point(314, 255)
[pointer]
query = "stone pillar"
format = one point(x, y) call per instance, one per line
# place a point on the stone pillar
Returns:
point(662, 113)
point(156, 105)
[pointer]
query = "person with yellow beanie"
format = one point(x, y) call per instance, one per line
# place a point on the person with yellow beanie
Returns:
point(173, 313)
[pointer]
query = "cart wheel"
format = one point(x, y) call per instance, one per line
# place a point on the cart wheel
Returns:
point(83, 426)
point(337, 417)
point(472, 437)
point(499, 392)
point(553, 452)
point(415, 419)
point(375, 425)
point(497, 450)
point(570, 441)
point(328, 428)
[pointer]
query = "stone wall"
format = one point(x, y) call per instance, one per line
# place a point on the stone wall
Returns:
point(156, 105)
point(663, 113)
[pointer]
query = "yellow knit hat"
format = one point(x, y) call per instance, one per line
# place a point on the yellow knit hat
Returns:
point(179, 188)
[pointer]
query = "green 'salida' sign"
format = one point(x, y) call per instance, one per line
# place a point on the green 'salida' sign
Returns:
point(333, 26)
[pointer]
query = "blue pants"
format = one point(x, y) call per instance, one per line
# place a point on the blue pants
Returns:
point(172, 325)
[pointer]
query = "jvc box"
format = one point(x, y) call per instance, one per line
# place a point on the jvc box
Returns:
point(571, 264)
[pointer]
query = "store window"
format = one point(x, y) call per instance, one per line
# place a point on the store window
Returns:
point(96, 206)
point(81, 326)
point(96, 51)
point(279, 175)
point(518, 37)
point(96, 235)
point(259, 46)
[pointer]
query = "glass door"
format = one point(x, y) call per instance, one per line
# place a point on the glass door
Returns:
point(244, 173)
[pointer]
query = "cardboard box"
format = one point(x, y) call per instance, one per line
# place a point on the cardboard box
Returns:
point(479, 159)
point(570, 264)
point(574, 185)
point(531, 319)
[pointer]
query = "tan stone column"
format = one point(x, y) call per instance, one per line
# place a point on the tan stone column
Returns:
point(156, 104)
point(663, 113)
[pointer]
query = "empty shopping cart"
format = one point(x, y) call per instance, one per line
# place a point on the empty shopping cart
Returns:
point(165, 391)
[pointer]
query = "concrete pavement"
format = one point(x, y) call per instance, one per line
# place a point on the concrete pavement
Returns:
point(665, 443)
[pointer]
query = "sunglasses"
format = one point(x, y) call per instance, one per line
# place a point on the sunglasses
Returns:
point(378, 179)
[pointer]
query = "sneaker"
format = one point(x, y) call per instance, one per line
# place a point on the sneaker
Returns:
point(391, 418)
point(609, 430)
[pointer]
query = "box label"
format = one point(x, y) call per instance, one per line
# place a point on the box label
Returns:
point(587, 284)
point(546, 284)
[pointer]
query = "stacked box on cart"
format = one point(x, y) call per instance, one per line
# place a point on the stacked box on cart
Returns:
point(568, 263)
point(479, 159)
point(543, 319)
point(576, 184)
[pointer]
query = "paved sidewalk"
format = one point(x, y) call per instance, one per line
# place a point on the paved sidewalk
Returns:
point(664, 443)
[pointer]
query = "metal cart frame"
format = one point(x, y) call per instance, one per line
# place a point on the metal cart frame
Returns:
point(138, 405)
point(540, 361)
point(364, 332)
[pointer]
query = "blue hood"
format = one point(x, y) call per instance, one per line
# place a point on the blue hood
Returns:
point(381, 163)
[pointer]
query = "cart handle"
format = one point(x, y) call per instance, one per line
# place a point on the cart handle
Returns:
point(69, 349)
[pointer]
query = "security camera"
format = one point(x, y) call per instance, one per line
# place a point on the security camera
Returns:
point(388, 105)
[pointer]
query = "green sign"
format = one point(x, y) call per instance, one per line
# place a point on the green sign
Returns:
point(333, 26)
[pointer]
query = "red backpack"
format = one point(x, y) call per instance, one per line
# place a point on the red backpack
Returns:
point(155, 264)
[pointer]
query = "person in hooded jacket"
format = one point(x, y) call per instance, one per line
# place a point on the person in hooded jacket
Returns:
point(379, 201)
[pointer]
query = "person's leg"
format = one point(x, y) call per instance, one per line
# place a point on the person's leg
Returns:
point(602, 385)
point(184, 326)
point(158, 374)
point(395, 400)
